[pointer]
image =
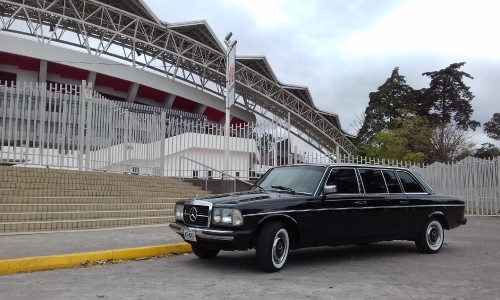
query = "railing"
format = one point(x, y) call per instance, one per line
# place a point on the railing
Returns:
point(207, 175)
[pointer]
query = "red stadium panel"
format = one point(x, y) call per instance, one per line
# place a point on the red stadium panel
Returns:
point(112, 82)
point(184, 104)
point(66, 71)
point(237, 121)
point(7, 78)
point(150, 93)
point(22, 62)
point(213, 114)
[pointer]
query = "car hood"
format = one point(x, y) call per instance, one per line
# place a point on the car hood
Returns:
point(248, 197)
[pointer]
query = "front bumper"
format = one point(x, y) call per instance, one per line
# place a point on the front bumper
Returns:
point(223, 239)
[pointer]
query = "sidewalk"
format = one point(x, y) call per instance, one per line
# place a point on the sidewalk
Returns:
point(43, 251)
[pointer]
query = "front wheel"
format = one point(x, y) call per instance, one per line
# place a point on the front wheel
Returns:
point(431, 239)
point(202, 252)
point(273, 244)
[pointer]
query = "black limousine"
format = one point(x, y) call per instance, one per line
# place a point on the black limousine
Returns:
point(308, 205)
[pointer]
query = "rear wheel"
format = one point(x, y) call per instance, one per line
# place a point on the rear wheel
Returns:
point(431, 239)
point(202, 252)
point(273, 244)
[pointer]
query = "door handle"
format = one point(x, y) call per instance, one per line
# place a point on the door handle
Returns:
point(404, 202)
point(360, 202)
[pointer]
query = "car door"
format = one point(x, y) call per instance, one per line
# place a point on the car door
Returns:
point(380, 217)
point(337, 211)
point(419, 203)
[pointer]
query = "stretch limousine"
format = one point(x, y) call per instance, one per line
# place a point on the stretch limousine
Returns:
point(310, 205)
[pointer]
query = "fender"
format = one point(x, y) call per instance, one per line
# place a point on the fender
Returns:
point(266, 218)
point(440, 216)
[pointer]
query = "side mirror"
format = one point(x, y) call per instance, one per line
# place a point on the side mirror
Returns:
point(329, 189)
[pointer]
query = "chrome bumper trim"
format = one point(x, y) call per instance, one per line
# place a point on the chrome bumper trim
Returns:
point(203, 233)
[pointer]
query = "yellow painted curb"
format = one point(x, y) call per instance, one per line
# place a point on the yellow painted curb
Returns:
point(38, 263)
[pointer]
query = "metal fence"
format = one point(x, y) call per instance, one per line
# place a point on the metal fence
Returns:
point(475, 180)
point(56, 126)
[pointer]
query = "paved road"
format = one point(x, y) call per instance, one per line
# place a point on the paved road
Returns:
point(468, 267)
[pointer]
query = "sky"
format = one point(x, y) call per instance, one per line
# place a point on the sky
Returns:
point(343, 50)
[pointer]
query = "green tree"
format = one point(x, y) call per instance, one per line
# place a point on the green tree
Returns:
point(387, 145)
point(391, 103)
point(487, 150)
point(448, 98)
point(492, 127)
point(409, 142)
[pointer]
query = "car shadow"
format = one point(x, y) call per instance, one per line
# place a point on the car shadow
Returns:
point(238, 261)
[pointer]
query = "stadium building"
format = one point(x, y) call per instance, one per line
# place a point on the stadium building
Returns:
point(51, 51)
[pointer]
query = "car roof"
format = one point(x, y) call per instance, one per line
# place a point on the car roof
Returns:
point(347, 165)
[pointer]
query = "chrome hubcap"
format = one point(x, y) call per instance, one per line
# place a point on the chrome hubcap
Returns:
point(434, 235)
point(280, 247)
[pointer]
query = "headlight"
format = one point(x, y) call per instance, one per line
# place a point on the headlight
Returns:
point(227, 216)
point(179, 212)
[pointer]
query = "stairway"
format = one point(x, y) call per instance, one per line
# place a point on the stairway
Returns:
point(39, 199)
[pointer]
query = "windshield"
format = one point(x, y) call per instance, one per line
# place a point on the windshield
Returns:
point(302, 179)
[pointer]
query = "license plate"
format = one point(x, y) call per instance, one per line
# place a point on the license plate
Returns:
point(189, 235)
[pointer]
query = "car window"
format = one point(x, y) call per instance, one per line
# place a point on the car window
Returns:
point(373, 181)
point(410, 184)
point(345, 179)
point(392, 181)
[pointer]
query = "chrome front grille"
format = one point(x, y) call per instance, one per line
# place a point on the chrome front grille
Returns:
point(196, 214)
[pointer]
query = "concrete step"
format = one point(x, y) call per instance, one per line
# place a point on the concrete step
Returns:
point(85, 200)
point(101, 186)
point(82, 215)
point(65, 175)
point(12, 227)
point(105, 193)
point(86, 207)
point(39, 199)
point(91, 181)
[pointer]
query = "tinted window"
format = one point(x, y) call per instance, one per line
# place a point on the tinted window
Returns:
point(410, 184)
point(373, 181)
point(392, 181)
point(345, 180)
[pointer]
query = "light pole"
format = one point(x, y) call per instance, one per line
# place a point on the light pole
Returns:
point(230, 92)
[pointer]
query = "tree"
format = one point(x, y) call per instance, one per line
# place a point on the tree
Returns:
point(450, 143)
point(410, 142)
point(487, 150)
point(391, 103)
point(492, 127)
point(448, 98)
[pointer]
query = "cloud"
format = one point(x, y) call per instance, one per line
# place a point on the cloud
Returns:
point(343, 50)
point(456, 28)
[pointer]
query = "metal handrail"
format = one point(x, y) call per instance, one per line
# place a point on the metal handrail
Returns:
point(212, 169)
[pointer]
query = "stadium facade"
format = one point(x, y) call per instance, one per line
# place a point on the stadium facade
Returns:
point(126, 54)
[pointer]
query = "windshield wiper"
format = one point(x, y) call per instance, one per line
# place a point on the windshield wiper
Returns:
point(258, 186)
point(285, 188)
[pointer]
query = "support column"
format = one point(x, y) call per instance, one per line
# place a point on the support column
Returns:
point(169, 101)
point(91, 78)
point(42, 73)
point(200, 109)
point(132, 92)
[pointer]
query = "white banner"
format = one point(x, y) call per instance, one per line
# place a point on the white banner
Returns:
point(230, 76)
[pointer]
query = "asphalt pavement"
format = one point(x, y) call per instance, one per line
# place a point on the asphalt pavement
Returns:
point(468, 267)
